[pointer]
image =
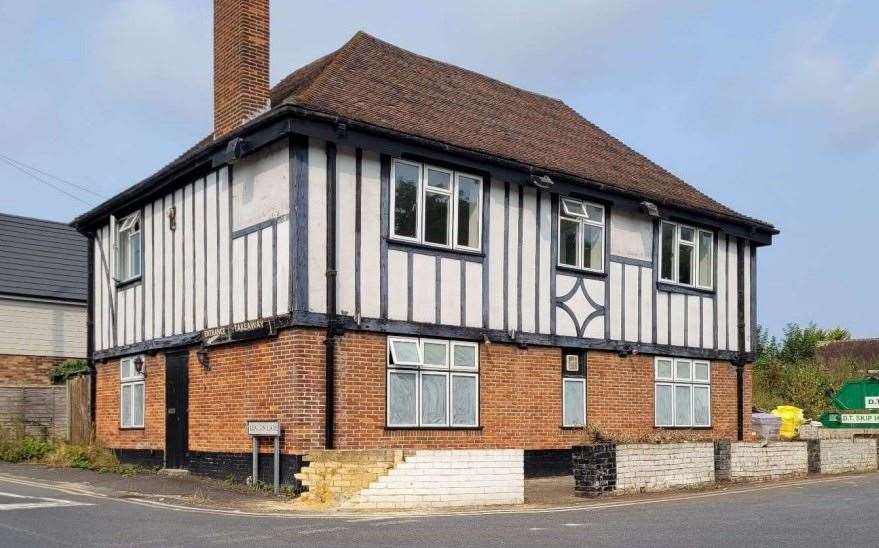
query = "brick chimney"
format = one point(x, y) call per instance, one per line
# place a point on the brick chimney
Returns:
point(241, 62)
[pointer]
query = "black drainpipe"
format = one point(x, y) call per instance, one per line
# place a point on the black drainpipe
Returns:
point(90, 321)
point(740, 361)
point(330, 341)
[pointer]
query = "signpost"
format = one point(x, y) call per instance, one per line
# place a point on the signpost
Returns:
point(265, 429)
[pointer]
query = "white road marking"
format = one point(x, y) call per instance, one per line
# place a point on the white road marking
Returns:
point(324, 530)
point(44, 502)
point(537, 528)
point(573, 525)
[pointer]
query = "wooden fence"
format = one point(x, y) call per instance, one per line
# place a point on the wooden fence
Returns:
point(55, 411)
point(79, 417)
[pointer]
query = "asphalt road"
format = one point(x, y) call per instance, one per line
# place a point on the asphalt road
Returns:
point(824, 512)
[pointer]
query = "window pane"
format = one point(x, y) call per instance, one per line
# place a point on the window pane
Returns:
point(663, 369)
point(439, 179)
point(464, 400)
point(126, 368)
point(126, 405)
point(664, 409)
point(134, 255)
point(575, 404)
point(468, 211)
point(572, 363)
point(701, 371)
point(405, 352)
point(137, 404)
point(401, 398)
point(682, 370)
point(668, 251)
point(568, 242)
point(437, 208)
point(706, 249)
point(687, 234)
point(405, 199)
point(465, 356)
point(593, 246)
point(701, 406)
point(435, 354)
point(595, 213)
point(433, 399)
point(685, 265)
point(682, 406)
point(573, 207)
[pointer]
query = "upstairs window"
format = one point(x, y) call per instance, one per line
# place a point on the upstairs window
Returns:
point(581, 235)
point(686, 255)
point(128, 248)
point(131, 394)
point(683, 392)
point(436, 206)
point(432, 383)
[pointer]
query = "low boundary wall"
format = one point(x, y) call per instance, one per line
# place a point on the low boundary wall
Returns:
point(836, 456)
point(764, 461)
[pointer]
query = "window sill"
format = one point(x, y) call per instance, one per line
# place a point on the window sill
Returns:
point(581, 272)
point(435, 428)
point(572, 427)
point(683, 427)
point(128, 283)
point(407, 245)
point(684, 289)
point(135, 428)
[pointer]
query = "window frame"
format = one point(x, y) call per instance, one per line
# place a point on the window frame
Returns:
point(420, 210)
point(582, 382)
point(581, 220)
point(449, 371)
point(136, 379)
point(696, 246)
point(674, 381)
point(125, 230)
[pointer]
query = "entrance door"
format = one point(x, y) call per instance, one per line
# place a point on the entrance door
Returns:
point(176, 410)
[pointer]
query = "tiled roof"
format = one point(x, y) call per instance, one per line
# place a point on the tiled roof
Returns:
point(42, 259)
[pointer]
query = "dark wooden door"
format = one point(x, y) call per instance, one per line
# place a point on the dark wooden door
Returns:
point(176, 410)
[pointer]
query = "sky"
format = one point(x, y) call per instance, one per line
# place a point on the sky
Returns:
point(769, 107)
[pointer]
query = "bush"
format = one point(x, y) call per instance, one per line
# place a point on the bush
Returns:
point(86, 457)
point(67, 369)
point(17, 446)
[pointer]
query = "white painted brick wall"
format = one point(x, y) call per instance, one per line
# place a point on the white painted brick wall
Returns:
point(443, 478)
point(656, 467)
point(754, 461)
point(853, 455)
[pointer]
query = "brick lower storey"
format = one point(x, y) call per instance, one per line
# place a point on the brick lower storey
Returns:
point(282, 378)
point(27, 370)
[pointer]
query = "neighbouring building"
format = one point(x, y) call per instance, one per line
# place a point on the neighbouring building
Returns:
point(43, 292)
point(387, 251)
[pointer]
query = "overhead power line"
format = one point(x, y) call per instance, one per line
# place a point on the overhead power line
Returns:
point(22, 165)
point(44, 181)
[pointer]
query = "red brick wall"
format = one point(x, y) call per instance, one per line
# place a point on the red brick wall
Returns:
point(21, 370)
point(520, 398)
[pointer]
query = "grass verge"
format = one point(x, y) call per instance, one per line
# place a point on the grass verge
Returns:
point(17, 445)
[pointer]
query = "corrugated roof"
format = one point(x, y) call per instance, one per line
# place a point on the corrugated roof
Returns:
point(42, 259)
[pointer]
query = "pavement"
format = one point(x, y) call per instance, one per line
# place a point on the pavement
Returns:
point(42, 511)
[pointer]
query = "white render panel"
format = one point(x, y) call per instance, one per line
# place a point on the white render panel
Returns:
point(33, 328)
point(631, 302)
point(397, 280)
point(283, 262)
point(211, 264)
point(148, 275)
point(496, 256)
point(647, 292)
point(267, 283)
point(179, 267)
point(189, 266)
point(239, 289)
point(317, 225)
point(261, 188)
point(733, 308)
point(631, 235)
point(746, 254)
point(694, 315)
point(346, 185)
point(370, 235)
point(708, 323)
point(528, 249)
point(546, 267)
point(595, 328)
point(722, 289)
point(512, 259)
point(423, 288)
point(199, 204)
point(450, 294)
point(251, 263)
point(473, 306)
point(616, 301)
point(662, 317)
point(225, 266)
point(678, 329)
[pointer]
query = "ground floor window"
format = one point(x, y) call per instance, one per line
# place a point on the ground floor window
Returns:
point(131, 401)
point(432, 383)
point(573, 389)
point(683, 392)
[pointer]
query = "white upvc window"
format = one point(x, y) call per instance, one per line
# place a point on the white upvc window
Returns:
point(435, 206)
point(686, 255)
point(131, 396)
point(432, 383)
point(682, 392)
point(581, 235)
point(128, 248)
point(573, 401)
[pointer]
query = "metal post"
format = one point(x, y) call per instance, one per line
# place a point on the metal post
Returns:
point(255, 477)
point(277, 463)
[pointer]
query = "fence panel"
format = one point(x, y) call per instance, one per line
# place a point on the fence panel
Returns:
point(39, 410)
point(78, 409)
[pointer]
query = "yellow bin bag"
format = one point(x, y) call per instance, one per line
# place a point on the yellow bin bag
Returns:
point(791, 419)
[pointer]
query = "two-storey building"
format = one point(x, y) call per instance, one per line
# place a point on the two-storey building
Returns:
point(384, 250)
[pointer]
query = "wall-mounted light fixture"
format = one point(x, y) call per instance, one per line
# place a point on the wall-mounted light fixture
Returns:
point(172, 218)
point(204, 358)
point(140, 366)
point(626, 350)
